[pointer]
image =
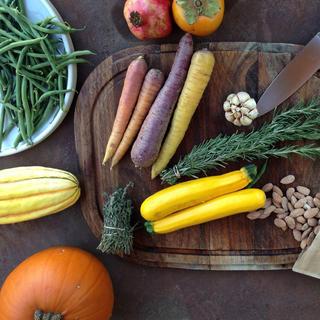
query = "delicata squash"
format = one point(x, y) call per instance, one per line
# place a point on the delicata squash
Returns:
point(191, 193)
point(28, 193)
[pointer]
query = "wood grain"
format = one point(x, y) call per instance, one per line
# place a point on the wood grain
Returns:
point(233, 243)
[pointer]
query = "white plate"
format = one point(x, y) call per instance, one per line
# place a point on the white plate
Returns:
point(38, 10)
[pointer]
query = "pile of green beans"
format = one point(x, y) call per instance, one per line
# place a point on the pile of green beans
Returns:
point(33, 71)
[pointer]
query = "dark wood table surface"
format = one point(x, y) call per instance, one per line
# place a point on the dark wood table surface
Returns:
point(166, 294)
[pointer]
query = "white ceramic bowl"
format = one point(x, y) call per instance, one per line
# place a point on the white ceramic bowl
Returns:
point(38, 10)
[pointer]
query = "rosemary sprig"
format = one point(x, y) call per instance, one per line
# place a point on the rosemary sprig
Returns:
point(117, 235)
point(300, 122)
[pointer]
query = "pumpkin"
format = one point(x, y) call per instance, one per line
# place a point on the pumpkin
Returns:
point(60, 283)
point(198, 17)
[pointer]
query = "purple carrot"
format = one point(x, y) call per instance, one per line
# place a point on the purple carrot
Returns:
point(148, 143)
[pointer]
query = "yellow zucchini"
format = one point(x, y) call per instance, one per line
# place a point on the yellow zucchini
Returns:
point(28, 193)
point(224, 206)
point(191, 193)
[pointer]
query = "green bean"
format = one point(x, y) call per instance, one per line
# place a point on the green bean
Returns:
point(26, 106)
point(21, 59)
point(13, 29)
point(65, 64)
point(17, 140)
point(45, 116)
point(8, 35)
point(9, 128)
point(61, 95)
point(2, 118)
point(22, 128)
point(32, 54)
point(5, 42)
point(54, 31)
point(21, 43)
point(51, 93)
point(21, 7)
point(11, 107)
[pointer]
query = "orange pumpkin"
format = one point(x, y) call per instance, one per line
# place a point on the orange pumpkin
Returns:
point(67, 282)
point(198, 17)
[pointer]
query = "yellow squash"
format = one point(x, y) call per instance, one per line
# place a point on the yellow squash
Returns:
point(221, 207)
point(28, 193)
point(191, 193)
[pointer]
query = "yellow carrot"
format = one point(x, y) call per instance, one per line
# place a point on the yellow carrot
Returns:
point(199, 74)
point(150, 88)
point(129, 96)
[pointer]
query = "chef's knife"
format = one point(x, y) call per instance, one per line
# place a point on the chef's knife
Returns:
point(292, 77)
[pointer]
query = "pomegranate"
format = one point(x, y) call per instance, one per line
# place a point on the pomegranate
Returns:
point(148, 19)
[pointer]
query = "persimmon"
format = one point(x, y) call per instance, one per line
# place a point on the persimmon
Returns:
point(198, 17)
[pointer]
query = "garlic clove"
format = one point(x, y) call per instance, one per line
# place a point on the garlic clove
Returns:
point(250, 104)
point(245, 121)
point(229, 116)
point(237, 115)
point(243, 96)
point(235, 100)
point(227, 106)
point(253, 114)
point(230, 96)
point(244, 110)
point(237, 122)
point(234, 108)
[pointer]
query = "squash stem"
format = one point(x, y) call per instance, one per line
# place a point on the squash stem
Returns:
point(149, 227)
point(40, 315)
point(251, 171)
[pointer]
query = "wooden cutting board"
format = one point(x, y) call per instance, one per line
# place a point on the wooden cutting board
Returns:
point(233, 243)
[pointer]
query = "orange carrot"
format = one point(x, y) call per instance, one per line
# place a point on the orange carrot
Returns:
point(130, 92)
point(150, 88)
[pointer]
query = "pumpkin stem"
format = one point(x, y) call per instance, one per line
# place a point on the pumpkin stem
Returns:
point(40, 315)
point(136, 19)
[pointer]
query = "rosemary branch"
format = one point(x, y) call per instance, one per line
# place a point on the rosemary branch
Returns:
point(117, 234)
point(300, 122)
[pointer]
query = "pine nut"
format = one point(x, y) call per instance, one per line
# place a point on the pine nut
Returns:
point(310, 213)
point(303, 244)
point(299, 195)
point(277, 190)
point(267, 187)
point(268, 203)
point(290, 207)
point(316, 230)
point(290, 192)
point(297, 212)
point(282, 215)
point(293, 200)
point(284, 203)
point(301, 219)
point(306, 233)
point(296, 235)
point(288, 179)
point(317, 195)
point(254, 215)
point(304, 190)
point(266, 212)
point(276, 197)
point(312, 222)
point(300, 203)
point(276, 204)
point(316, 201)
point(279, 211)
point(299, 226)
point(310, 201)
point(305, 227)
point(310, 238)
point(280, 224)
point(290, 222)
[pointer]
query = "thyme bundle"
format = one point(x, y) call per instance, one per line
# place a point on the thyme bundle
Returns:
point(117, 234)
point(301, 122)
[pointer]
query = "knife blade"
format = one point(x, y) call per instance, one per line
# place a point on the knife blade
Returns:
point(305, 64)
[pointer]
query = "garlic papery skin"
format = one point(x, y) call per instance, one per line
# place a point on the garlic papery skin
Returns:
point(240, 109)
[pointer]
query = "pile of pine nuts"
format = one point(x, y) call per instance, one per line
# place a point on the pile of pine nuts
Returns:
point(295, 210)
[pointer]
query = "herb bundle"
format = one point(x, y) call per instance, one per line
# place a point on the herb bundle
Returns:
point(300, 122)
point(117, 235)
point(33, 70)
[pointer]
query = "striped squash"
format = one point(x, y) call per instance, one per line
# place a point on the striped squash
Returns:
point(28, 193)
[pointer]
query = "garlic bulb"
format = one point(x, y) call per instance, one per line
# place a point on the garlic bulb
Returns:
point(240, 109)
